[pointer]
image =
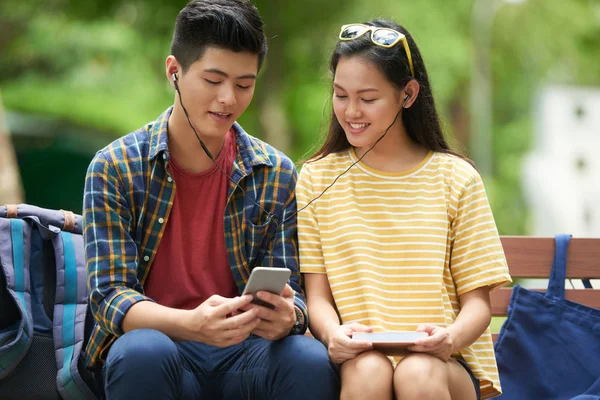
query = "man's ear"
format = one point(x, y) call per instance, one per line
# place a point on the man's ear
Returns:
point(172, 69)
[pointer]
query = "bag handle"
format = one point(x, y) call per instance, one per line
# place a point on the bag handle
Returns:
point(556, 285)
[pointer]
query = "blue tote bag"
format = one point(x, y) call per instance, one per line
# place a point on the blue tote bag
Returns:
point(549, 347)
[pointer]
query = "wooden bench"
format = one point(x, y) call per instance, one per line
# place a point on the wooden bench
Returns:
point(531, 257)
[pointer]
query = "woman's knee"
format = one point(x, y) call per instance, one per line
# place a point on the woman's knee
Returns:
point(368, 375)
point(370, 364)
point(421, 375)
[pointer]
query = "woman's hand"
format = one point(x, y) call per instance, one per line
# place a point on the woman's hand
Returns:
point(342, 347)
point(439, 343)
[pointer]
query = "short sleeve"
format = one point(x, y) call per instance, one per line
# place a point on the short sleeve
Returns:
point(309, 238)
point(477, 258)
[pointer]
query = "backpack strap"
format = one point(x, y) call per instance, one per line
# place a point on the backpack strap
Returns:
point(16, 339)
point(69, 314)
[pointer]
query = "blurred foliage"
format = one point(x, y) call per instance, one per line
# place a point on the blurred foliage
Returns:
point(100, 64)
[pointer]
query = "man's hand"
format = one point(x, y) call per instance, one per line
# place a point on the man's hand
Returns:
point(212, 324)
point(274, 323)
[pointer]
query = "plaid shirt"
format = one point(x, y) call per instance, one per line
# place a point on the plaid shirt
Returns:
point(128, 196)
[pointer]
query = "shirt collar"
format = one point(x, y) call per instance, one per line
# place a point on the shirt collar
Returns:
point(252, 151)
point(158, 134)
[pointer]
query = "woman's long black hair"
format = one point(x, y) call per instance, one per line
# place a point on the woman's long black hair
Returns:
point(421, 120)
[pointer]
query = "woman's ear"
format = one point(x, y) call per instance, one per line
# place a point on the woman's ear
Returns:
point(412, 91)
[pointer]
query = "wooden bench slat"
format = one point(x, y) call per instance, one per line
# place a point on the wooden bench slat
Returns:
point(531, 257)
point(501, 297)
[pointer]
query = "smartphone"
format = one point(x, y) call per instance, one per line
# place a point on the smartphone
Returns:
point(268, 279)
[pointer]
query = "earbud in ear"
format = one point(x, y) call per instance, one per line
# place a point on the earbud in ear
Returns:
point(405, 100)
point(174, 76)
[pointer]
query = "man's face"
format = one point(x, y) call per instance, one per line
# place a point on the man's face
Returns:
point(217, 89)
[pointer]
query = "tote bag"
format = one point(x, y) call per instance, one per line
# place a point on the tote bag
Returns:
point(549, 347)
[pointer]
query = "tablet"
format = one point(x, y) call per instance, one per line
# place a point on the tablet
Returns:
point(268, 279)
point(391, 343)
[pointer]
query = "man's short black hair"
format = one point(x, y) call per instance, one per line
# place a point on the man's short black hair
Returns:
point(227, 24)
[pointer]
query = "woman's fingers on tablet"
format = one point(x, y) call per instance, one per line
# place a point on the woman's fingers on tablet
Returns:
point(355, 327)
point(357, 344)
point(344, 339)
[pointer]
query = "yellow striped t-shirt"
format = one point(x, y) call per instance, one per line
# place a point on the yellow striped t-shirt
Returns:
point(399, 248)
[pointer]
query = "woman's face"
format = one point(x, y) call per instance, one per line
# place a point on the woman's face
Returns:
point(364, 101)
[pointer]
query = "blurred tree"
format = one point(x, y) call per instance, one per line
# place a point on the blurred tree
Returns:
point(101, 64)
point(11, 191)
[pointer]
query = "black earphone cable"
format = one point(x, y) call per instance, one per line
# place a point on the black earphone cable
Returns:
point(271, 216)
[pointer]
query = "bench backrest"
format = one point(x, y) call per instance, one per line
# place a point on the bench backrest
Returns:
point(531, 257)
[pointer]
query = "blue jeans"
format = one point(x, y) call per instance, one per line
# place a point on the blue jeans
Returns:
point(147, 364)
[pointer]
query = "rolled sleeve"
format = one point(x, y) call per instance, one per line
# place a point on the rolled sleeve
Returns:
point(111, 253)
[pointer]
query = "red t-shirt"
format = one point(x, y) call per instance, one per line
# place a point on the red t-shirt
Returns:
point(191, 262)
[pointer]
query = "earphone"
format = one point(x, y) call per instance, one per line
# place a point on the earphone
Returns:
point(271, 216)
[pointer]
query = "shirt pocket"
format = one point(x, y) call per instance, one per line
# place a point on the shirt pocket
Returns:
point(257, 239)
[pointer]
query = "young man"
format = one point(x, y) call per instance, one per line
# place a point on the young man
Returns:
point(170, 239)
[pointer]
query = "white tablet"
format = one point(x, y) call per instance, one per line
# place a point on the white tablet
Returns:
point(391, 343)
point(398, 337)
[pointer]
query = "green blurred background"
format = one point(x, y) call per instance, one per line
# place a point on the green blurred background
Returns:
point(74, 75)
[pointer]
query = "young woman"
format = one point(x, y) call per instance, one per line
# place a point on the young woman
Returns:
point(405, 239)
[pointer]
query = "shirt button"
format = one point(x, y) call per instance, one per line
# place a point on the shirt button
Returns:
point(161, 220)
point(164, 156)
point(146, 258)
point(169, 179)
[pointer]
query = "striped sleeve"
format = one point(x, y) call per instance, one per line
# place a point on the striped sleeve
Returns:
point(309, 238)
point(110, 251)
point(477, 257)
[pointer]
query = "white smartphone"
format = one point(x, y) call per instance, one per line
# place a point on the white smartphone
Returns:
point(268, 279)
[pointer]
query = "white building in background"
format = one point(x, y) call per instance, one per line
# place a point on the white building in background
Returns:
point(561, 175)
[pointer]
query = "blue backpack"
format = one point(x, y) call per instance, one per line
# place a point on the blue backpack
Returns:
point(43, 305)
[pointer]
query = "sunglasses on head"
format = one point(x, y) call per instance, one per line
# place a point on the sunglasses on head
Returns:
point(383, 37)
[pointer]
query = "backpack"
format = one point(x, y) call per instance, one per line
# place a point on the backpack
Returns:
point(43, 305)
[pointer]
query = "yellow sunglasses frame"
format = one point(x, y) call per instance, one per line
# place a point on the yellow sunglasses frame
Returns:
point(373, 29)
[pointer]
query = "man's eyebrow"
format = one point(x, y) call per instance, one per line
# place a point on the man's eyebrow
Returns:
point(225, 75)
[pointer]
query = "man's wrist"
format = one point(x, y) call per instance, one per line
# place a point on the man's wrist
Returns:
point(300, 322)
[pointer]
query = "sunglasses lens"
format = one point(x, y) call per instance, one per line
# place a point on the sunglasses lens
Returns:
point(352, 32)
point(385, 36)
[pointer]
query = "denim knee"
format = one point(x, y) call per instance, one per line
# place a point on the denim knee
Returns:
point(144, 352)
point(307, 358)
